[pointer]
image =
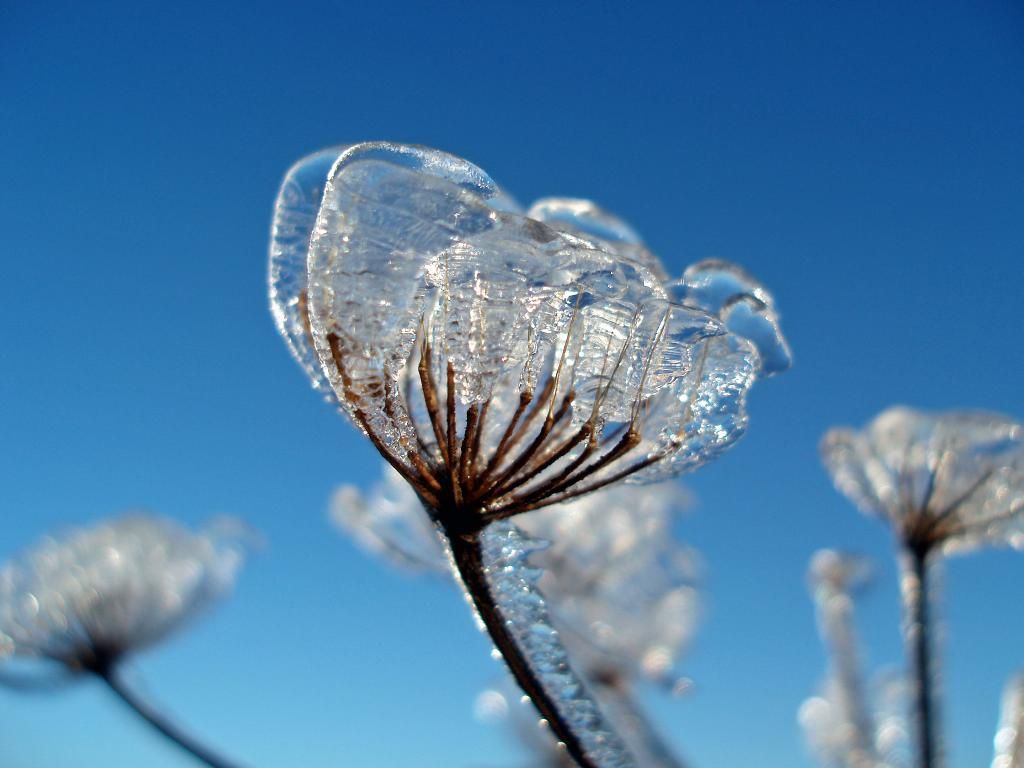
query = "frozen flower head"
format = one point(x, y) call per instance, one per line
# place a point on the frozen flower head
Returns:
point(91, 596)
point(622, 590)
point(502, 360)
point(947, 481)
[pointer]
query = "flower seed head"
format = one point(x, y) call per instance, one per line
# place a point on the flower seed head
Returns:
point(503, 360)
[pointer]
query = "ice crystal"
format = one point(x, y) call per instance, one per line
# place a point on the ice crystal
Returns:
point(1009, 740)
point(91, 596)
point(842, 725)
point(950, 481)
point(501, 360)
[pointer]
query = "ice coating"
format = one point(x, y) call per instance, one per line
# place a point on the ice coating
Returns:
point(295, 211)
point(847, 724)
point(622, 591)
point(1009, 739)
point(513, 581)
point(952, 480)
point(93, 595)
point(504, 361)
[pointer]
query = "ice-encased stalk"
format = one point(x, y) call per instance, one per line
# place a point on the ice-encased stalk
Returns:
point(649, 748)
point(502, 586)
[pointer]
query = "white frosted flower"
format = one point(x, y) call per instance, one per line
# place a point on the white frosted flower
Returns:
point(87, 598)
point(949, 481)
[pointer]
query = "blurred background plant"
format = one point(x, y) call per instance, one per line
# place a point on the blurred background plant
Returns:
point(83, 602)
point(944, 482)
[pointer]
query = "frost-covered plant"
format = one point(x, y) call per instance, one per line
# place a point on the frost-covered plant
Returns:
point(944, 482)
point(847, 725)
point(90, 598)
point(621, 590)
point(1009, 740)
point(504, 360)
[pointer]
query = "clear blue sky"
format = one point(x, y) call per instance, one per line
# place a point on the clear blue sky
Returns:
point(864, 159)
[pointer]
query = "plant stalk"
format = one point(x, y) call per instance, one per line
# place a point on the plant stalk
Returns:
point(917, 611)
point(159, 722)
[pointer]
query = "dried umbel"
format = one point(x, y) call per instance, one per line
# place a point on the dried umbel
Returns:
point(944, 482)
point(91, 596)
point(88, 599)
point(622, 591)
point(501, 360)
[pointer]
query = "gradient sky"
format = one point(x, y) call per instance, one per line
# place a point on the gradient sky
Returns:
point(865, 160)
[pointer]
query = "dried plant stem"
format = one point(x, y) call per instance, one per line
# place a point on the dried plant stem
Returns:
point(468, 559)
point(158, 721)
point(917, 615)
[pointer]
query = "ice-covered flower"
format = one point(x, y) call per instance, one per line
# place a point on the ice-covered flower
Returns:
point(504, 360)
point(944, 481)
point(848, 723)
point(87, 598)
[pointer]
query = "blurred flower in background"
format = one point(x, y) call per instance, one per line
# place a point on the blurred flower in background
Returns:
point(89, 598)
point(943, 481)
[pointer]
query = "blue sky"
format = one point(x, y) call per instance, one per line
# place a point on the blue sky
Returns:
point(863, 159)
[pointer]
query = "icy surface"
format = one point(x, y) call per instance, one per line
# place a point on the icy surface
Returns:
point(1009, 740)
point(513, 581)
point(418, 257)
point(954, 480)
point(295, 213)
point(847, 724)
point(112, 589)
